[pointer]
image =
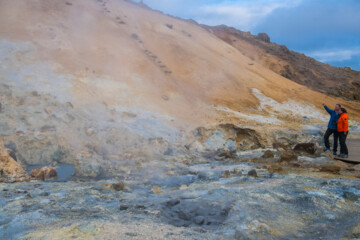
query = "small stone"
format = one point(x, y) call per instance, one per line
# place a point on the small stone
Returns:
point(276, 169)
point(199, 220)
point(90, 132)
point(227, 174)
point(252, 173)
point(288, 156)
point(172, 202)
point(120, 186)
point(157, 190)
point(124, 207)
point(183, 187)
point(268, 154)
point(330, 169)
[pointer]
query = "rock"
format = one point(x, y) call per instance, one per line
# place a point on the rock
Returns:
point(263, 37)
point(240, 235)
point(268, 154)
point(288, 156)
point(157, 190)
point(172, 202)
point(308, 148)
point(252, 173)
point(10, 169)
point(124, 207)
point(44, 173)
point(227, 174)
point(330, 169)
point(351, 196)
point(90, 132)
point(276, 169)
point(120, 186)
point(199, 211)
point(183, 187)
point(199, 220)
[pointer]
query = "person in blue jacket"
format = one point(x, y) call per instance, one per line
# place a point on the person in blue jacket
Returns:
point(332, 128)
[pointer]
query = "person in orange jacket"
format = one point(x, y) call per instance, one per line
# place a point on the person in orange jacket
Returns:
point(343, 131)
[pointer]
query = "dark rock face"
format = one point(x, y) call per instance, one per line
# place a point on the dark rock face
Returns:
point(187, 212)
point(263, 37)
point(308, 148)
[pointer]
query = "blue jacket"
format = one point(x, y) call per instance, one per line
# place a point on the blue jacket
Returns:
point(334, 116)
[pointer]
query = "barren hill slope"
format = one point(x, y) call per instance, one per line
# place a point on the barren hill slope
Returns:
point(336, 81)
point(97, 79)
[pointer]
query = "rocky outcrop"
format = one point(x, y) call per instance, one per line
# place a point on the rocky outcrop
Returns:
point(10, 169)
point(44, 173)
point(226, 138)
point(307, 148)
point(263, 37)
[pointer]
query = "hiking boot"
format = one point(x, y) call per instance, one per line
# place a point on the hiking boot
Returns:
point(343, 156)
point(326, 149)
point(334, 153)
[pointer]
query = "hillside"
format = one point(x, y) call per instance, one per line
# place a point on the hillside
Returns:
point(90, 76)
point(335, 81)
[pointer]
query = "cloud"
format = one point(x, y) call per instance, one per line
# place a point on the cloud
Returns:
point(335, 55)
point(244, 14)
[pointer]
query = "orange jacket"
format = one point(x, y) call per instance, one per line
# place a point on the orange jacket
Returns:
point(343, 123)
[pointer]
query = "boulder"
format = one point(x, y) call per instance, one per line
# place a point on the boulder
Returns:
point(252, 173)
point(308, 148)
point(10, 169)
point(288, 156)
point(44, 173)
point(330, 169)
point(268, 154)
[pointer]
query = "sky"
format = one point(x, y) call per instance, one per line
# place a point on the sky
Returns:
point(328, 30)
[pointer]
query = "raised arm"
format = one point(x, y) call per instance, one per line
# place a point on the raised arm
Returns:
point(329, 110)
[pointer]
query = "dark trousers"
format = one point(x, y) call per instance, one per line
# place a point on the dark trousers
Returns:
point(328, 133)
point(343, 147)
